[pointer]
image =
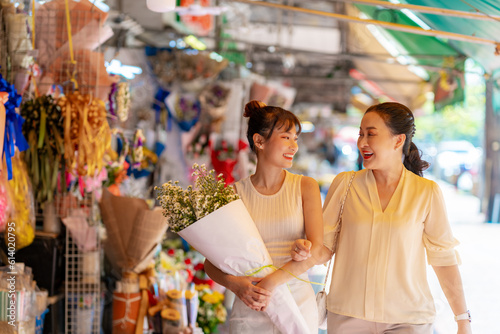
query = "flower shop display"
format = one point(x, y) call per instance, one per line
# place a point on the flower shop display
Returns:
point(27, 303)
point(119, 100)
point(212, 219)
point(5, 201)
point(214, 99)
point(138, 149)
point(133, 231)
point(87, 136)
point(170, 66)
point(45, 133)
point(211, 311)
point(224, 157)
point(4, 97)
point(184, 109)
point(126, 304)
point(22, 213)
point(13, 136)
point(17, 48)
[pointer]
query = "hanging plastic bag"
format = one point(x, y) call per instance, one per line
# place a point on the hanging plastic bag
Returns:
point(22, 212)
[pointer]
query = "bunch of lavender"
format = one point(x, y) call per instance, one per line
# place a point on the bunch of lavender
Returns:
point(183, 207)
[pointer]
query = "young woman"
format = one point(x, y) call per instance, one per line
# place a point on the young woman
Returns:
point(393, 219)
point(285, 207)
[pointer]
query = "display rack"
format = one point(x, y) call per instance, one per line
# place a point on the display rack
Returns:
point(83, 270)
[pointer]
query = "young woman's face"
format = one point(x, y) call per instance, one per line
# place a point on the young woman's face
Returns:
point(377, 145)
point(281, 147)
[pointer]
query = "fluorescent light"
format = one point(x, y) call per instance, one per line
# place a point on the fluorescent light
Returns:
point(116, 67)
point(307, 126)
point(161, 6)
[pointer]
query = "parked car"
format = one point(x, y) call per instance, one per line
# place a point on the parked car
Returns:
point(458, 162)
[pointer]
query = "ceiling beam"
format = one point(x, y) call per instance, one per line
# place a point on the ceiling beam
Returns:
point(387, 25)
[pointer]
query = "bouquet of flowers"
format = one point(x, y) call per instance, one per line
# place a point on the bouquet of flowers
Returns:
point(212, 219)
point(183, 207)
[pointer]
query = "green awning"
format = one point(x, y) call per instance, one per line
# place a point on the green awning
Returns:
point(442, 61)
point(483, 54)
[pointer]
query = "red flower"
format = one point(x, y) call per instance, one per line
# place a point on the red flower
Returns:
point(199, 266)
point(171, 252)
point(199, 281)
point(190, 276)
point(187, 261)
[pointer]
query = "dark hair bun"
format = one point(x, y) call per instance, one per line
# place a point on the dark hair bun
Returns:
point(252, 106)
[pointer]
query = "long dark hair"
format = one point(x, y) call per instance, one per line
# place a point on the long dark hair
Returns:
point(263, 119)
point(399, 119)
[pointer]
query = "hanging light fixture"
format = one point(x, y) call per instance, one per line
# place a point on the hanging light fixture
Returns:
point(161, 6)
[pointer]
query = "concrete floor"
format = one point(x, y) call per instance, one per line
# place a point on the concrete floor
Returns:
point(480, 252)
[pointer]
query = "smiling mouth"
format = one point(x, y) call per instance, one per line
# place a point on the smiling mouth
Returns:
point(367, 156)
point(288, 156)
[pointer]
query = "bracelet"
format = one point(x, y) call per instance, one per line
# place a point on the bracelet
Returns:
point(464, 316)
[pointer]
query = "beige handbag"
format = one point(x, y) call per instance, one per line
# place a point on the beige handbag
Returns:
point(321, 296)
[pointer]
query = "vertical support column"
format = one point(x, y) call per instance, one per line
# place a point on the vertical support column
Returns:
point(218, 29)
point(491, 150)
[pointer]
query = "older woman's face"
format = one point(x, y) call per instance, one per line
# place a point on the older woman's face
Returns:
point(377, 145)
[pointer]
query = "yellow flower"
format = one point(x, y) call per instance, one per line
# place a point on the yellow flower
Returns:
point(174, 294)
point(213, 298)
point(201, 287)
point(221, 313)
point(170, 314)
point(219, 295)
point(190, 294)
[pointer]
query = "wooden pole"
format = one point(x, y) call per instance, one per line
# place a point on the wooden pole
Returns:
point(428, 10)
point(387, 25)
point(492, 152)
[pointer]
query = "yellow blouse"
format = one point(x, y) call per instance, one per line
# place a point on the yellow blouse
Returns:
point(379, 273)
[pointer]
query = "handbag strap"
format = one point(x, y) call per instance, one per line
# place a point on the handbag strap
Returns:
point(339, 222)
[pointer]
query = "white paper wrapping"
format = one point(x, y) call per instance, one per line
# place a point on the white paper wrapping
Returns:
point(229, 239)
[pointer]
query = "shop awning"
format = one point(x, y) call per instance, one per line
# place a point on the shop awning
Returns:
point(483, 54)
point(443, 62)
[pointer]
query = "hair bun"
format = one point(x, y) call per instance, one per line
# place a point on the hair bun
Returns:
point(252, 106)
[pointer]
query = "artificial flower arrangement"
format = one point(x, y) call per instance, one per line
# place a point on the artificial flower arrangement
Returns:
point(184, 268)
point(224, 157)
point(211, 310)
point(212, 219)
point(214, 99)
point(119, 100)
point(198, 147)
point(185, 109)
point(44, 130)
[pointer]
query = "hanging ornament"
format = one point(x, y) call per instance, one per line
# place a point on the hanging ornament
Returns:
point(137, 151)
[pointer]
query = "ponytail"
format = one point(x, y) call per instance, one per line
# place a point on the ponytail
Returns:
point(413, 160)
